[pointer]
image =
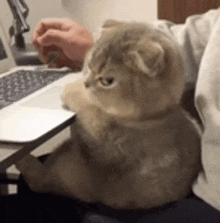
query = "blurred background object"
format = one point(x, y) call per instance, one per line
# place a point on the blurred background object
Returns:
point(93, 13)
point(24, 53)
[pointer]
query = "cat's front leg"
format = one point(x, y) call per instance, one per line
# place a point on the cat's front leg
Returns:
point(75, 96)
point(33, 171)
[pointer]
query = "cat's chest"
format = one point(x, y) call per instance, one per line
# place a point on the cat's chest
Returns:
point(135, 142)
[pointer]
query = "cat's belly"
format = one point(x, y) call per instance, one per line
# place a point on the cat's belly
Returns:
point(145, 187)
point(140, 196)
point(133, 192)
point(138, 190)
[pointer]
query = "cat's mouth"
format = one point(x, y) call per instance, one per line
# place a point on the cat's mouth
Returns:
point(109, 108)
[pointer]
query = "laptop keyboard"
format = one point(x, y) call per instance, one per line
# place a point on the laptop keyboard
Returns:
point(19, 84)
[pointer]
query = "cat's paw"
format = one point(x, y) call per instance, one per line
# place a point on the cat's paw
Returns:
point(75, 96)
point(67, 97)
point(33, 171)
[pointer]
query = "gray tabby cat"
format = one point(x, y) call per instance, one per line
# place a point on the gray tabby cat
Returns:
point(132, 145)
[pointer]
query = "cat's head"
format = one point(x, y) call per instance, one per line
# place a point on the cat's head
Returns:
point(134, 70)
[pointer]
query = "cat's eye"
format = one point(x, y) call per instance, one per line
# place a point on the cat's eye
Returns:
point(106, 81)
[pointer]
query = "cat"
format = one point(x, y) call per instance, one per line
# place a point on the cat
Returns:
point(132, 146)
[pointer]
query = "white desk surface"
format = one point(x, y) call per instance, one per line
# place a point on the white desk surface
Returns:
point(12, 152)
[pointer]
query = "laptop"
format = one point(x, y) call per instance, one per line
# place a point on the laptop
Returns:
point(27, 118)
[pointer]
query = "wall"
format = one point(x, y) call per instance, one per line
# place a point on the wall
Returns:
point(38, 9)
point(90, 13)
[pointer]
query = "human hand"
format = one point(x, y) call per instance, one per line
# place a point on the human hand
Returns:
point(70, 39)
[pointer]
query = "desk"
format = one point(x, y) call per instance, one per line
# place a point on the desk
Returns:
point(10, 153)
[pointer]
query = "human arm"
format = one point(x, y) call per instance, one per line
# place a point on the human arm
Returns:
point(192, 36)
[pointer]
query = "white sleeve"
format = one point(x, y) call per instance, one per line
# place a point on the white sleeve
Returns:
point(193, 37)
point(207, 100)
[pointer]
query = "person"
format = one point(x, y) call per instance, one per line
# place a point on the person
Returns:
point(199, 39)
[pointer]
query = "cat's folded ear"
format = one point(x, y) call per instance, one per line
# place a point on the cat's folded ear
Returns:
point(111, 23)
point(148, 58)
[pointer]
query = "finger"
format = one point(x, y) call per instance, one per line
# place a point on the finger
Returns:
point(48, 24)
point(39, 30)
point(44, 25)
point(36, 45)
point(53, 28)
point(35, 41)
point(54, 37)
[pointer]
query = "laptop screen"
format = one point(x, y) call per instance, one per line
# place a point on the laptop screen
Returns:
point(6, 58)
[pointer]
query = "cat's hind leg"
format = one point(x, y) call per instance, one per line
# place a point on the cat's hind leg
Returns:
point(34, 172)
